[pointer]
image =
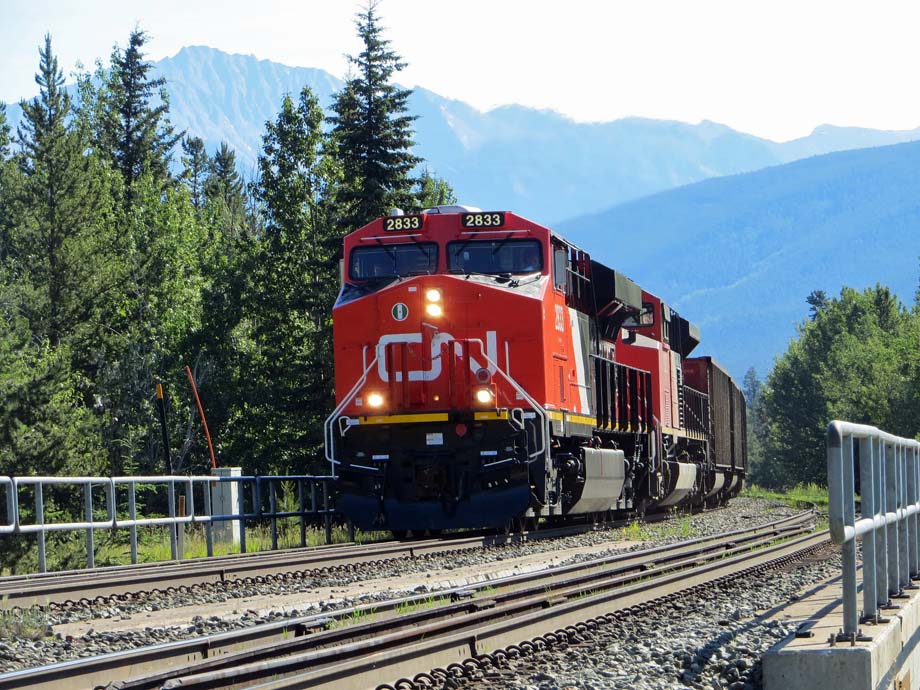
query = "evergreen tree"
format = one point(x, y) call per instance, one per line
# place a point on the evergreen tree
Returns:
point(433, 191)
point(195, 169)
point(225, 191)
point(59, 239)
point(134, 125)
point(372, 132)
point(4, 133)
point(290, 289)
point(817, 300)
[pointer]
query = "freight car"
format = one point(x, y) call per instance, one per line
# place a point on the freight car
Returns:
point(488, 373)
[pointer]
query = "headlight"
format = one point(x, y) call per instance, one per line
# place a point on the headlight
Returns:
point(375, 400)
point(433, 295)
point(484, 396)
point(434, 310)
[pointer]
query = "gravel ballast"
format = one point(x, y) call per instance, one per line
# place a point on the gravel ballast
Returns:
point(17, 653)
point(709, 641)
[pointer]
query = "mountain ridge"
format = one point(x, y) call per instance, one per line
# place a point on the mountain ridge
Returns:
point(738, 255)
point(535, 161)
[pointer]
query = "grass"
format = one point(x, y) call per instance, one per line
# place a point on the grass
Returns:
point(800, 494)
point(638, 531)
point(430, 602)
point(354, 618)
point(28, 623)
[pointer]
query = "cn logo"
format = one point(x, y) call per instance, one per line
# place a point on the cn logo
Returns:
point(400, 311)
point(435, 371)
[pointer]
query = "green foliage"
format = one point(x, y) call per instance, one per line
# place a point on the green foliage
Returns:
point(284, 335)
point(372, 132)
point(856, 359)
point(114, 276)
point(195, 170)
point(797, 495)
point(133, 126)
point(433, 191)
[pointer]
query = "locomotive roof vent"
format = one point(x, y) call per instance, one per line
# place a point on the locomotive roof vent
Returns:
point(397, 212)
point(454, 208)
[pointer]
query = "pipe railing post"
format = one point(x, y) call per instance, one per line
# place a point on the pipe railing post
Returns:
point(273, 507)
point(868, 508)
point(173, 537)
point(891, 504)
point(241, 511)
point(881, 540)
point(208, 526)
point(88, 516)
point(850, 605)
point(40, 520)
point(303, 520)
point(132, 516)
point(327, 512)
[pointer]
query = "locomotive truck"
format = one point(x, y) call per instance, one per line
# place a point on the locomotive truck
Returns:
point(489, 373)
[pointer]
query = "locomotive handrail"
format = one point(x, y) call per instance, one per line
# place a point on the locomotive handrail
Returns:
point(889, 475)
point(328, 425)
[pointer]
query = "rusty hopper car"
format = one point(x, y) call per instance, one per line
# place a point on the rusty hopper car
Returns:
point(489, 372)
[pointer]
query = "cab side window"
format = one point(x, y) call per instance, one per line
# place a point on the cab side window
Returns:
point(560, 263)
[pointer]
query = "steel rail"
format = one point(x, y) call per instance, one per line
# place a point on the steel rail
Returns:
point(47, 589)
point(227, 653)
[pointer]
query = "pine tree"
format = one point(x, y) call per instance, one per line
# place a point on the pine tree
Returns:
point(58, 240)
point(372, 134)
point(433, 191)
point(226, 191)
point(4, 133)
point(291, 287)
point(195, 169)
point(133, 128)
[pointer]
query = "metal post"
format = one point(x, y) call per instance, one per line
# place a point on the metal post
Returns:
point(180, 528)
point(850, 601)
point(303, 524)
point(881, 533)
point(327, 516)
point(40, 520)
point(868, 509)
point(132, 515)
point(173, 541)
point(910, 499)
point(88, 515)
point(241, 509)
point(904, 525)
point(351, 531)
point(208, 534)
point(272, 504)
point(891, 505)
point(914, 461)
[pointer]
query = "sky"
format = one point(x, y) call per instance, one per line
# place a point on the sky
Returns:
point(774, 68)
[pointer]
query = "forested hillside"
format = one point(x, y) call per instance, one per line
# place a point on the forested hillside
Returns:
point(116, 270)
point(739, 255)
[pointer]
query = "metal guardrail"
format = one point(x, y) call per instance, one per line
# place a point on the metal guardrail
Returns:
point(257, 499)
point(889, 488)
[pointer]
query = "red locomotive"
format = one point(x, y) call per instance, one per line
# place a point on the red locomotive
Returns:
point(488, 371)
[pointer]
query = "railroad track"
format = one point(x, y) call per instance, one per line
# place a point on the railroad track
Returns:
point(453, 631)
point(123, 582)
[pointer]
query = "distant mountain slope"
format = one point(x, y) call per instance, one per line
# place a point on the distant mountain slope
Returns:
point(536, 162)
point(738, 255)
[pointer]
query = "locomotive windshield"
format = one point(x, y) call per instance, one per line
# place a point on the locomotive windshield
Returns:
point(495, 257)
point(393, 260)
